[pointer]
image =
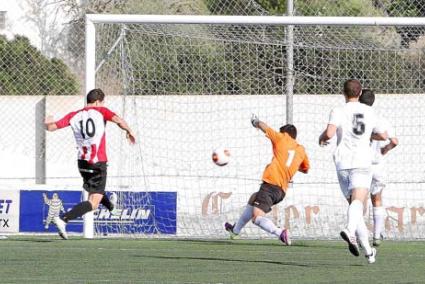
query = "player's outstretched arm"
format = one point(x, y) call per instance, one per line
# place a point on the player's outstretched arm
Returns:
point(393, 143)
point(258, 123)
point(50, 123)
point(305, 166)
point(124, 126)
point(327, 134)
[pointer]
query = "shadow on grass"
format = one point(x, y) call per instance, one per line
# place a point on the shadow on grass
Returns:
point(46, 239)
point(284, 263)
point(266, 243)
point(280, 263)
point(32, 240)
point(56, 238)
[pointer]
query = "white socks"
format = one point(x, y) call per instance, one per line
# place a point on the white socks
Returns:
point(356, 225)
point(355, 215)
point(261, 221)
point(363, 236)
point(243, 219)
point(267, 225)
point(378, 221)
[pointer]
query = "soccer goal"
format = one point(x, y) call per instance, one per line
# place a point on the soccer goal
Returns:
point(188, 84)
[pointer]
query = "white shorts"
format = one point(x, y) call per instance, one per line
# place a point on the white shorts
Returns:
point(354, 178)
point(378, 179)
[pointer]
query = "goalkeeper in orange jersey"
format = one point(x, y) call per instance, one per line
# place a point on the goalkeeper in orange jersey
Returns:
point(288, 158)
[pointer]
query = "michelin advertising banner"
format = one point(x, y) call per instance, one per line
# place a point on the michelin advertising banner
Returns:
point(138, 212)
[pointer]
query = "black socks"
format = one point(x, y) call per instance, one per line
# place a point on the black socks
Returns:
point(77, 211)
point(106, 202)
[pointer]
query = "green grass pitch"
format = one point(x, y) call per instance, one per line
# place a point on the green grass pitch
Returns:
point(34, 259)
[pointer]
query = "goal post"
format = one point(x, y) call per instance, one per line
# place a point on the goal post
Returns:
point(188, 84)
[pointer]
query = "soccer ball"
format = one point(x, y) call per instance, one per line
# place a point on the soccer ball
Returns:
point(221, 156)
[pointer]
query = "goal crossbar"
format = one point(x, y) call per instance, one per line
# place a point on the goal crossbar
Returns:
point(256, 20)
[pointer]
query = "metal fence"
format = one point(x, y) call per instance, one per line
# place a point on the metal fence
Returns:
point(65, 41)
point(29, 74)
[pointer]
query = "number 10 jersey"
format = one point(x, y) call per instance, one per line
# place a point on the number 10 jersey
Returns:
point(88, 125)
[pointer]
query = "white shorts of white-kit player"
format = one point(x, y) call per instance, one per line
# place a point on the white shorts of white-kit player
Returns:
point(378, 179)
point(354, 178)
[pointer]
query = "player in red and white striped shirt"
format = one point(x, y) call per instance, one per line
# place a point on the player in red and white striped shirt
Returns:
point(88, 125)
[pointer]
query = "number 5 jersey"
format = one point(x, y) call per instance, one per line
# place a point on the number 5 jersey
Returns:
point(355, 124)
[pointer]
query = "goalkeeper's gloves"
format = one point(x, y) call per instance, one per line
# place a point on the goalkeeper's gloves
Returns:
point(254, 120)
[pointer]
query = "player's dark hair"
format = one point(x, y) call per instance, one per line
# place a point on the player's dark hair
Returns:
point(290, 129)
point(367, 97)
point(95, 95)
point(352, 88)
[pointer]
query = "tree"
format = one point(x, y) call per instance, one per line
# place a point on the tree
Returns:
point(76, 11)
point(274, 7)
point(375, 55)
point(404, 8)
point(47, 17)
point(25, 71)
point(235, 7)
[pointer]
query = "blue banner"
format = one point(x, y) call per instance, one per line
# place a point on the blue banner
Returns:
point(37, 212)
point(138, 212)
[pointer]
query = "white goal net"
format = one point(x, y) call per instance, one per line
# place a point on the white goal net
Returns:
point(187, 89)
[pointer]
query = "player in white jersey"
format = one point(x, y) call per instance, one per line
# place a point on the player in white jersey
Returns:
point(354, 124)
point(379, 151)
point(88, 125)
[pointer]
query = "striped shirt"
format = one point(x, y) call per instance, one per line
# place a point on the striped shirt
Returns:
point(88, 125)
